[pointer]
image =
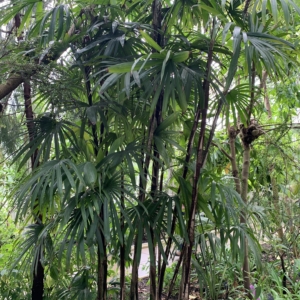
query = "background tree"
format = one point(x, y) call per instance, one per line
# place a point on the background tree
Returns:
point(112, 86)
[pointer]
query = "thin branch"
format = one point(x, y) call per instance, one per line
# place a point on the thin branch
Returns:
point(222, 150)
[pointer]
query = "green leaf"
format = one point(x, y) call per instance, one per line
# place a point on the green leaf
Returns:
point(110, 81)
point(61, 22)
point(234, 60)
point(218, 13)
point(204, 206)
point(106, 227)
point(213, 194)
point(127, 66)
point(164, 65)
point(90, 173)
point(39, 10)
point(236, 38)
point(257, 292)
point(181, 100)
point(225, 31)
point(131, 169)
point(161, 149)
point(116, 144)
point(181, 56)
point(52, 24)
point(59, 180)
point(91, 113)
point(150, 41)
point(127, 84)
point(264, 10)
point(274, 10)
point(136, 78)
point(167, 122)
point(26, 18)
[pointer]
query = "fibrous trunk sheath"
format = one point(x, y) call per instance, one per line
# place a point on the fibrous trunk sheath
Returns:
point(122, 247)
point(200, 159)
point(37, 289)
point(243, 218)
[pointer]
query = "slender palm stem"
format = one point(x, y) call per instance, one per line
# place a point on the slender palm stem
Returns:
point(200, 159)
point(39, 273)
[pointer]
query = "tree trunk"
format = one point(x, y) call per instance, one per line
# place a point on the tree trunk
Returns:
point(243, 218)
point(186, 268)
point(90, 101)
point(142, 186)
point(243, 192)
point(155, 120)
point(232, 132)
point(134, 275)
point(159, 257)
point(154, 188)
point(15, 79)
point(102, 271)
point(205, 153)
point(176, 271)
point(102, 252)
point(185, 171)
point(200, 159)
point(122, 247)
point(37, 289)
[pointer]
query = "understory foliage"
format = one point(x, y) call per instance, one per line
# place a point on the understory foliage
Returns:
point(134, 121)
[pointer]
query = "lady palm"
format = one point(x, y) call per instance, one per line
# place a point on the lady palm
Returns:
point(128, 80)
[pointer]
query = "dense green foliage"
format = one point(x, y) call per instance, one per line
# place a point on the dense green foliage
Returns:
point(116, 114)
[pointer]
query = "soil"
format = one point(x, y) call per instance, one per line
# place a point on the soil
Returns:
point(144, 291)
point(144, 288)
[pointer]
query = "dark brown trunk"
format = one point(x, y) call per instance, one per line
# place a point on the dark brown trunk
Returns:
point(154, 189)
point(90, 101)
point(156, 24)
point(185, 282)
point(214, 124)
point(200, 159)
point(158, 250)
point(134, 294)
point(176, 271)
point(246, 7)
point(142, 195)
point(37, 289)
point(174, 219)
point(122, 246)
point(102, 263)
point(102, 272)
point(29, 120)
point(152, 269)
point(102, 252)
point(134, 275)
point(233, 132)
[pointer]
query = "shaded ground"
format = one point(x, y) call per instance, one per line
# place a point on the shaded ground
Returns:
point(233, 290)
point(144, 291)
